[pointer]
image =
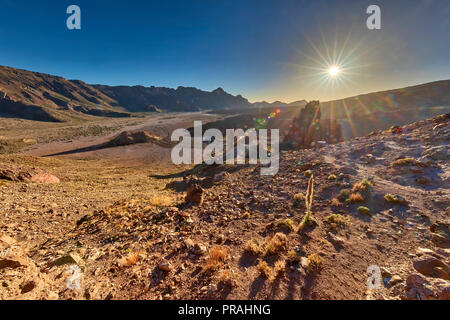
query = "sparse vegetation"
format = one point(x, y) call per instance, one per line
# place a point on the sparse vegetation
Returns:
point(364, 210)
point(217, 256)
point(130, 260)
point(279, 267)
point(276, 244)
point(335, 202)
point(307, 173)
point(264, 269)
point(363, 186)
point(343, 195)
point(308, 202)
point(253, 247)
point(356, 197)
point(404, 162)
point(287, 223)
point(394, 199)
point(314, 263)
point(293, 257)
point(337, 221)
point(332, 177)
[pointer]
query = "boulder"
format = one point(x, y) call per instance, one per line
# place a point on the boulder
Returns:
point(433, 267)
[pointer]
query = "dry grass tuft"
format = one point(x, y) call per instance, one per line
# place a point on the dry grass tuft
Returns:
point(276, 244)
point(288, 223)
point(404, 162)
point(293, 257)
point(162, 200)
point(264, 269)
point(335, 202)
point(130, 260)
point(343, 195)
point(279, 267)
point(356, 197)
point(253, 247)
point(314, 263)
point(217, 256)
point(363, 186)
point(332, 177)
point(337, 221)
point(394, 199)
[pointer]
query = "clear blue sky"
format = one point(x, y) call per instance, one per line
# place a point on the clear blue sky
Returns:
point(263, 50)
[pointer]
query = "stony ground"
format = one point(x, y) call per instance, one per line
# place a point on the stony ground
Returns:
point(110, 231)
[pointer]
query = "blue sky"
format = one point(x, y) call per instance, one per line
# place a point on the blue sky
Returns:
point(264, 50)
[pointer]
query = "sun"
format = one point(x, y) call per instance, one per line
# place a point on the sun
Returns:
point(333, 71)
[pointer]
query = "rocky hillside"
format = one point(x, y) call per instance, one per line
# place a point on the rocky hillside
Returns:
point(38, 96)
point(379, 110)
point(379, 202)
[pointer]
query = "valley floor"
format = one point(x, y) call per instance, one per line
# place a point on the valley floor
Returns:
point(111, 230)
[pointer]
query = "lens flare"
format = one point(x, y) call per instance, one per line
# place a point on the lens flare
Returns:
point(333, 71)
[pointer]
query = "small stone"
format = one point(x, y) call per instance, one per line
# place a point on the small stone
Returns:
point(28, 286)
point(394, 280)
point(335, 239)
point(385, 273)
point(199, 249)
point(165, 266)
point(189, 243)
point(422, 251)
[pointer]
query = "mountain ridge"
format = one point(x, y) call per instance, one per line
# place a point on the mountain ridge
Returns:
point(40, 96)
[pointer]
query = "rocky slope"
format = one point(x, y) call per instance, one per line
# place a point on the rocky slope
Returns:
point(38, 96)
point(380, 201)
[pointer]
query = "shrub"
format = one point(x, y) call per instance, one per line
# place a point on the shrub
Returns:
point(338, 221)
point(364, 210)
point(307, 173)
point(343, 195)
point(276, 244)
point(264, 269)
point(288, 223)
point(356, 197)
point(253, 247)
point(403, 162)
point(279, 267)
point(394, 199)
point(299, 197)
point(293, 257)
point(314, 263)
point(362, 186)
point(335, 202)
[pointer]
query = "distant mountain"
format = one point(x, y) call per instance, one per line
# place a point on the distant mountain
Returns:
point(139, 98)
point(279, 104)
point(38, 96)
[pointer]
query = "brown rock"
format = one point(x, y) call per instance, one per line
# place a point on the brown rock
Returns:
point(12, 262)
point(165, 266)
point(194, 194)
point(28, 286)
point(432, 267)
point(199, 249)
point(394, 280)
point(440, 240)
